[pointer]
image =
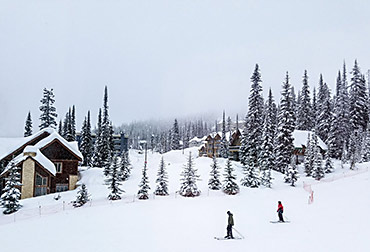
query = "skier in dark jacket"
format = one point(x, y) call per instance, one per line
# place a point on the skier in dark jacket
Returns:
point(280, 211)
point(230, 224)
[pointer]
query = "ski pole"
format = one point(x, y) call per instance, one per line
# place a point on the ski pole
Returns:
point(238, 233)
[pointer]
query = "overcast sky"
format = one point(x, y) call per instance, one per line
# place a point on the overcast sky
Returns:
point(167, 59)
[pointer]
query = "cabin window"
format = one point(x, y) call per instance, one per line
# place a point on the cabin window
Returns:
point(58, 167)
point(41, 185)
point(61, 187)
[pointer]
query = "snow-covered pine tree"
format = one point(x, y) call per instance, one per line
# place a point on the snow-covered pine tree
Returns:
point(48, 111)
point(317, 168)
point(28, 126)
point(106, 150)
point(304, 118)
point(73, 123)
point(189, 179)
point(175, 136)
point(214, 182)
point(292, 175)
point(162, 180)
point(114, 180)
point(224, 151)
point(86, 147)
point(11, 194)
point(325, 114)
point(314, 114)
point(340, 124)
point(143, 193)
point(125, 166)
point(67, 127)
point(97, 157)
point(230, 186)
point(366, 145)
point(229, 124)
point(82, 197)
point(284, 137)
point(358, 111)
point(252, 135)
point(329, 167)
point(267, 157)
point(354, 148)
point(60, 128)
point(308, 157)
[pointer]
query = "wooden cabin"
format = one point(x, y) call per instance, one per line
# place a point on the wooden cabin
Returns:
point(48, 163)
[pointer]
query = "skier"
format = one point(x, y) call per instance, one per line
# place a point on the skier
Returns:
point(230, 224)
point(280, 211)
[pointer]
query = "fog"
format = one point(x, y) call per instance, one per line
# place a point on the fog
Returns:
point(167, 59)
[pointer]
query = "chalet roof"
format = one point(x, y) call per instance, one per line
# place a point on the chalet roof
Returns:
point(301, 136)
point(39, 158)
point(72, 146)
point(9, 145)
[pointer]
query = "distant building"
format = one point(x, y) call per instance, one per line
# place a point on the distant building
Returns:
point(121, 141)
point(212, 145)
point(300, 142)
point(47, 162)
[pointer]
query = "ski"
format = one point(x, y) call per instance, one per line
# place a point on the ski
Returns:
point(279, 222)
point(223, 238)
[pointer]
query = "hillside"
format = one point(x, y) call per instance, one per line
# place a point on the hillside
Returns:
point(336, 221)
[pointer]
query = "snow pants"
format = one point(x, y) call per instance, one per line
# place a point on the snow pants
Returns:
point(281, 217)
point(229, 230)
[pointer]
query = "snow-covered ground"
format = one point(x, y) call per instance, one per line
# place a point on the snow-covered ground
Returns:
point(338, 219)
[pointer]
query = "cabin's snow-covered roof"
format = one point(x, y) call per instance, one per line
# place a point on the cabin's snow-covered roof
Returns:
point(8, 145)
point(40, 158)
point(72, 146)
point(301, 136)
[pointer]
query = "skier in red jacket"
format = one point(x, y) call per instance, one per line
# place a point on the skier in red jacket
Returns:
point(280, 211)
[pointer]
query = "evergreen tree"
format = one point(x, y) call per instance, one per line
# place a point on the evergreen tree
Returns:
point(86, 147)
point(28, 126)
point(314, 113)
point(328, 164)
point(189, 175)
point(224, 152)
point(48, 111)
point(317, 168)
point(82, 197)
point(114, 180)
point(125, 169)
point(354, 148)
point(358, 110)
point(175, 136)
point(11, 194)
point(60, 128)
point(230, 187)
point(97, 158)
point(106, 150)
point(304, 119)
point(252, 134)
point(162, 180)
point(284, 140)
point(214, 182)
point(324, 111)
point(340, 124)
point(292, 175)
point(308, 157)
point(73, 124)
point(267, 157)
point(366, 145)
point(143, 192)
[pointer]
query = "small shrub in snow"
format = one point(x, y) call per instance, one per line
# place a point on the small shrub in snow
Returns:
point(230, 186)
point(214, 181)
point(82, 197)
